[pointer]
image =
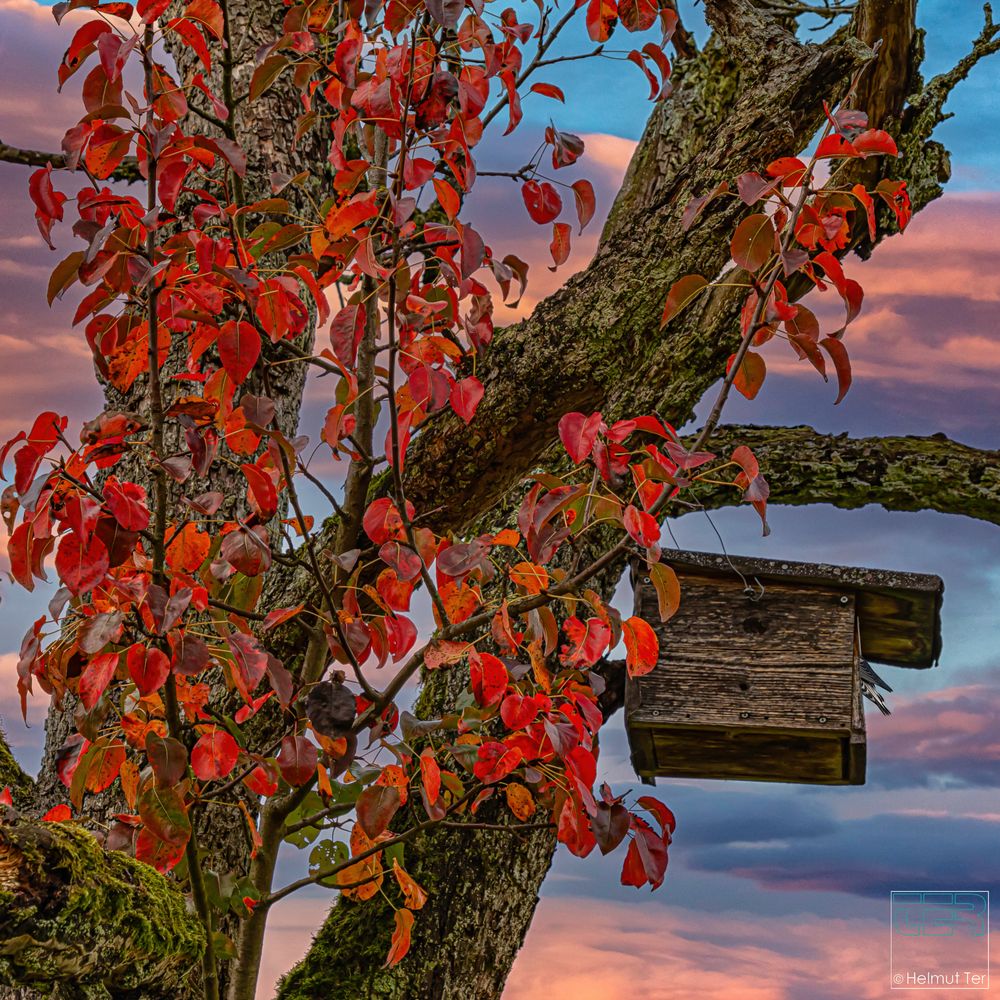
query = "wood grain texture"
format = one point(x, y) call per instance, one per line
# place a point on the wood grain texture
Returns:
point(899, 612)
point(750, 756)
point(748, 696)
point(751, 685)
point(787, 625)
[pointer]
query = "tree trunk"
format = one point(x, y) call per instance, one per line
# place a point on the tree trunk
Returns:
point(751, 95)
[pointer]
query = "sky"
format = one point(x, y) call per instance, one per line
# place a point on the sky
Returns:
point(775, 892)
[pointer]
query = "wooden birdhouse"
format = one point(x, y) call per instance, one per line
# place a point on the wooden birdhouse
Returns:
point(759, 677)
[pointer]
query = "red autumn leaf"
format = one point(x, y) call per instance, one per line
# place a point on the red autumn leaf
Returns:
point(750, 376)
point(297, 759)
point(573, 829)
point(382, 521)
point(160, 854)
point(841, 362)
point(868, 204)
point(633, 872)
point(239, 349)
point(834, 146)
point(578, 434)
point(652, 852)
point(560, 245)
point(262, 491)
point(753, 242)
point(214, 755)
point(495, 761)
point(57, 814)
point(668, 823)
point(638, 15)
point(790, 169)
point(682, 293)
point(542, 201)
point(81, 565)
point(262, 780)
point(518, 711)
point(48, 202)
point(642, 648)
point(489, 679)
point(249, 663)
point(548, 90)
point(641, 526)
point(465, 397)
point(447, 197)
point(430, 775)
point(149, 668)
point(96, 677)
point(346, 331)
point(601, 16)
point(586, 202)
point(127, 503)
point(875, 142)
point(587, 643)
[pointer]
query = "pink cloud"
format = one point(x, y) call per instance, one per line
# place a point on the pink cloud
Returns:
point(582, 949)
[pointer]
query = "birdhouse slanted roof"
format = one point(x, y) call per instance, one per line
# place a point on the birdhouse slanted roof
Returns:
point(899, 614)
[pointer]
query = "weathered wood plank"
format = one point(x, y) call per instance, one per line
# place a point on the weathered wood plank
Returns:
point(747, 694)
point(788, 624)
point(683, 752)
point(899, 613)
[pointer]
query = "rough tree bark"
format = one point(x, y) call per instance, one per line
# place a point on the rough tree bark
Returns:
point(753, 93)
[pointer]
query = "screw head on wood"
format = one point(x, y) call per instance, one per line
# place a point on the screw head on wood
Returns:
point(844, 599)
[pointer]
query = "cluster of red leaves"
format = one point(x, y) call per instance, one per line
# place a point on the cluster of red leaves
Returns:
point(156, 612)
point(799, 230)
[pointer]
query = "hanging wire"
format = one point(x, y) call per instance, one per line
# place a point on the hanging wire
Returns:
point(754, 593)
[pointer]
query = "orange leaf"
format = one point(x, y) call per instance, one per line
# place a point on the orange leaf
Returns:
point(188, 550)
point(400, 938)
point(521, 801)
point(414, 894)
point(534, 579)
point(642, 648)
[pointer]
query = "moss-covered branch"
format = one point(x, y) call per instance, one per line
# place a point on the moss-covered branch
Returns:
point(71, 912)
point(898, 473)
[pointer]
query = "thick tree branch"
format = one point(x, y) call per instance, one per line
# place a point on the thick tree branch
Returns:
point(71, 912)
point(127, 171)
point(898, 473)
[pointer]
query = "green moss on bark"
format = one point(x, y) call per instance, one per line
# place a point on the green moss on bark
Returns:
point(101, 920)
